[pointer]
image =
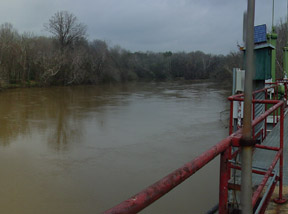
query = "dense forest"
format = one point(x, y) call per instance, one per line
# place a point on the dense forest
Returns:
point(68, 57)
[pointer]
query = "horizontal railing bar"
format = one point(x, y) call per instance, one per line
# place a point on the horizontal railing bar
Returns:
point(236, 99)
point(267, 147)
point(160, 188)
point(257, 101)
point(278, 81)
point(266, 101)
point(254, 167)
point(255, 92)
point(266, 194)
point(254, 170)
point(266, 177)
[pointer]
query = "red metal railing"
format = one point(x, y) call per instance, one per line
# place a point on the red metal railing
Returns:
point(269, 172)
point(160, 188)
point(277, 104)
point(224, 148)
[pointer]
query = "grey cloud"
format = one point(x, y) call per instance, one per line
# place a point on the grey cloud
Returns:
point(158, 25)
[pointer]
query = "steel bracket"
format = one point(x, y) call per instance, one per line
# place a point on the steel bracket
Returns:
point(248, 142)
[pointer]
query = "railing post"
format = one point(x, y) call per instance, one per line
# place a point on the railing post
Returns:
point(253, 117)
point(231, 118)
point(280, 199)
point(224, 177)
point(266, 96)
point(277, 97)
point(231, 130)
point(274, 113)
point(285, 84)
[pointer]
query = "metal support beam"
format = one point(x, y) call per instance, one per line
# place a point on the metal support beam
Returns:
point(246, 151)
point(285, 50)
point(224, 177)
point(281, 199)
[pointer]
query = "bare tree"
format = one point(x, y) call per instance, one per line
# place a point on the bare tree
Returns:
point(66, 28)
point(10, 52)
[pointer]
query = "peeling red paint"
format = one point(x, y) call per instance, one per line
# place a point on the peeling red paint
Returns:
point(166, 184)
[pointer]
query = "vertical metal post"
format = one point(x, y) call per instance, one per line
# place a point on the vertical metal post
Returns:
point(273, 41)
point(253, 117)
point(281, 157)
point(274, 112)
point(246, 150)
point(277, 97)
point(285, 84)
point(224, 177)
point(281, 200)
point(285, 61)
point(272, 37)
point(285, 49)
point(231, 118)
point(273, 13)
point(225, 171)
point(266, 97)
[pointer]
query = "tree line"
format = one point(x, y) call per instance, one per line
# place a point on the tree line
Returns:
point(282, 31)
point(68, 57)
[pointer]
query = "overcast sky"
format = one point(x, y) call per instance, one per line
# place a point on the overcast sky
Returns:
point(212, 26)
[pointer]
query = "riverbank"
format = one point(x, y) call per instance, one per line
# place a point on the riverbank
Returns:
point(226, 84)
point(27, 84)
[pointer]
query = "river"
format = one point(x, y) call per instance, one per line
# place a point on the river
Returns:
point(84, 149)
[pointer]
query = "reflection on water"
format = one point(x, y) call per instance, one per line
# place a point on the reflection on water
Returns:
point(58, 111)
point(83, 149)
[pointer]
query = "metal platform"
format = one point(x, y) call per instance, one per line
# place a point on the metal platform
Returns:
point(263, 158)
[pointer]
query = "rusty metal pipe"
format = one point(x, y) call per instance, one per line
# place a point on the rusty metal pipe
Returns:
point(254, 92)
point(231, 118)
point(246, 151)
point(281, 199)
point(146, 197)
point(259, 146)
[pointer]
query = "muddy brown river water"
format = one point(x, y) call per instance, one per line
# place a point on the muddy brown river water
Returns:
point(84, 149)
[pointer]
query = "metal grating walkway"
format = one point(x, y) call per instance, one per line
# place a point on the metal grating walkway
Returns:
point(263, 158)
point(274, 208)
